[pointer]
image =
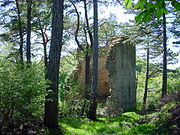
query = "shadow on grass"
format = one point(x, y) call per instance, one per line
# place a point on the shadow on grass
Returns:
point(73, 122)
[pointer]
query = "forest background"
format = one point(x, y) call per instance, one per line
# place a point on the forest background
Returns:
point(27, 58)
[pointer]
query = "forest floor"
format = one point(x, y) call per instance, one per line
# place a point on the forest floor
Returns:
point(164, 121)
point(129, 123)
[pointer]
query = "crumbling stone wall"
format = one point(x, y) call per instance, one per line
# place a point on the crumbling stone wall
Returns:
point(116, 74)
point(103, 81)
point(121, 73)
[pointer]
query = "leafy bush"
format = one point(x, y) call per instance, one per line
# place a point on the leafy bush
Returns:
point(144, 129)
point(71, 98)
point(154, 91)
point(22, 92)
point(170, 113)
point(72, 102)
point(130, 117)
point(167, 117)
point(173, 81)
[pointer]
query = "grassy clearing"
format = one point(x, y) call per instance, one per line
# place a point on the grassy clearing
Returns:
point(126, 124)
point(165, 121)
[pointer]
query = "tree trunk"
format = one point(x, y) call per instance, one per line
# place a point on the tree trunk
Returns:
point(51, 102)
point(87, 53)
point(146, 82)
point(87, 82)
point(20, 32)
point(28, 42)
point(87, 24)
point(87, 75)
point(93, 102)
point(45, 41)
point(164, 78)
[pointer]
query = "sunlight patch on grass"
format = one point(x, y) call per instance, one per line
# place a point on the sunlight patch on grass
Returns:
point(125, 124)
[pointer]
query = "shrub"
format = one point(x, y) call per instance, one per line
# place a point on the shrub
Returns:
point(22, 92)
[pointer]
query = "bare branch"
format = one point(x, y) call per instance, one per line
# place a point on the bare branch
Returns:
point(77, 28)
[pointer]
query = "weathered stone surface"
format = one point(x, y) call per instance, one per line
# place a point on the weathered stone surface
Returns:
point(103, 85)
point(121, 68)
point(116, 74)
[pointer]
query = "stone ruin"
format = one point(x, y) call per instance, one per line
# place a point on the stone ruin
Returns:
point(116, 75)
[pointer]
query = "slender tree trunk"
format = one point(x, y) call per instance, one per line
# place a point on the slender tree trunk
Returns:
point(87, 82)
point(45, 49)
point(20, 32)
point(87, 75)
point(77, 28)
point(146, 83)
point(93, 102)
point(87, 24)
point(28, 42)
point(51, 102)
point(164, 78)
point(45, 54)
point(45, 41)
point(88, 53)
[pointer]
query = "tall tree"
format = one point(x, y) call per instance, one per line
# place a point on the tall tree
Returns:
point(20, 31)
point(164, 78)
point(51, 101)
point(158, 8)
point(45, 42)
point(93, 102)
point(85, 49)
point(88, 47)
point(28, 42)
point(146, 81)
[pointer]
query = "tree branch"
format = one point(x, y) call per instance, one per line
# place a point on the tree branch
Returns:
point(77, 28)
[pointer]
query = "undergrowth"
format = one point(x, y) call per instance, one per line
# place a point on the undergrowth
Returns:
point(126, 124)
point(165, 121)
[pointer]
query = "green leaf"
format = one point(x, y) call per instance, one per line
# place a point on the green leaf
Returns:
point(165, 11)
point(128, 3)
point(139, 17)
point(141, 4)
point(176, 5)
point(159, 13)
point(147, 16)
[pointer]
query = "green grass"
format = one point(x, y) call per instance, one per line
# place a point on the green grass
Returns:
point(74, 126)
point(126, 124)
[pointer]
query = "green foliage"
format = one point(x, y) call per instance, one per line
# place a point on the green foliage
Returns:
point(125, 124)
point(130, 123)
point(87, 127)
point(22, 92)
point(176, 4)
point(109, 28)
point(71, 96)
point(173, 81)
point(127, 3)
point(130, 117)
point(151, 8)
point(143, 129)
point(154, 91)
point(154, 84)
point(71, 101)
